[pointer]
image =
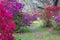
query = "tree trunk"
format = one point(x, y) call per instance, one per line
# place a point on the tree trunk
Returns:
point(55, 2)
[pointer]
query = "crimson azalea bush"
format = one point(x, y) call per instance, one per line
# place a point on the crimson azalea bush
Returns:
point(7, 25)
point(52, 17)
point(50, 13)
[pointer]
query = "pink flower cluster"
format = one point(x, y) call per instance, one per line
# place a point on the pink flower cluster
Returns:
point(6, 36)
point(6, 24)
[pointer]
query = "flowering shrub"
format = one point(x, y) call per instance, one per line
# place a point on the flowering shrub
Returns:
point(14, 7)
point(52, 17)
point(50, 13)
point(27, 18)
point(23, 19)
point(6, 24)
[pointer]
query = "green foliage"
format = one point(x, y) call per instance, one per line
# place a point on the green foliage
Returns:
point(41, 22)
point(40, 28)
point(56, 26)
point(18, 19)
point(26, 29)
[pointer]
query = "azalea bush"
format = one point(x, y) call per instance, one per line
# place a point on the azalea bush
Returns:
point(7, 24)
point(52, 17)
point(50, 13)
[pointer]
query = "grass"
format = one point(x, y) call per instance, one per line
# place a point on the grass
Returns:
point(32, 36)
point(40, 28)
point(27, 29)
point(42, 34)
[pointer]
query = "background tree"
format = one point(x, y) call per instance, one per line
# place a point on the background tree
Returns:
point(55, 2)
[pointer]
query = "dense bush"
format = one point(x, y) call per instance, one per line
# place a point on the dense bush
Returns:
point(7, 25)
point(49, 14)
point(52, 17)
